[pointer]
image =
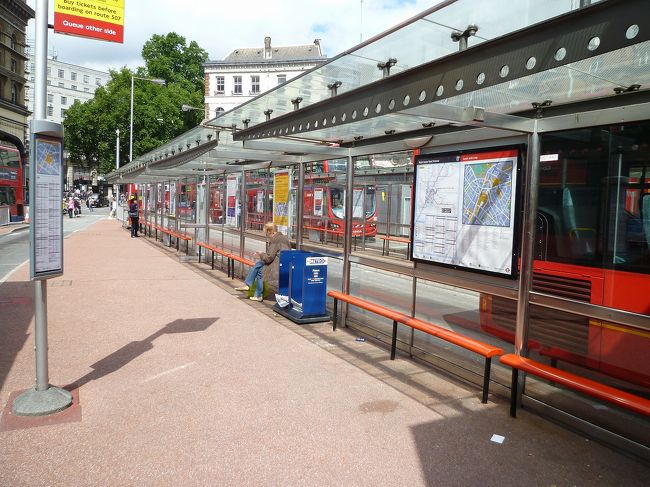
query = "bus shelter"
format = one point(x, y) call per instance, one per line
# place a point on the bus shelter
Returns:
point(489, 172)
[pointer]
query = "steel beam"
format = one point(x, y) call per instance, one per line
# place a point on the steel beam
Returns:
point(556, 42)
point(296, 147)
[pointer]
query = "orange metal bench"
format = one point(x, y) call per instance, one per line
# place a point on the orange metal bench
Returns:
point(485, 349)
point(228, 255)
point(385, 248)
point(572, 381)
point(176, 235)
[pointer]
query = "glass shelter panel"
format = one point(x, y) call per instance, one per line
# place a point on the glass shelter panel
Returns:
point(324, 202)
point(186, 207)
point(383, 187)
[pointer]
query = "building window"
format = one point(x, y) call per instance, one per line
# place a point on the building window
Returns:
point(49, 71)
point(14, 93)
point(282, 78)
point(221, 85)
point(73, 76)
point(61, 73)
point(86, 78)
point(14, 65)
point(87, 90)
point(62, 112)
point(31, 67)
point(218, 111)
point(98, 81)
point(61, 84)
point(49, 82)
point(255, 84)
point(50, 110)
point(13, 42)
point(64, 100)
point(73, 87)
point(50, 98)
point(238, 85)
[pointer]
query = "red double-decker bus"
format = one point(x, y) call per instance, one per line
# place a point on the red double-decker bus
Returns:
point(592, 245)
point(11, 180)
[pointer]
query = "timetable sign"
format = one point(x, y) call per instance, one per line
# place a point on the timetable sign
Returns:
point(45, 209)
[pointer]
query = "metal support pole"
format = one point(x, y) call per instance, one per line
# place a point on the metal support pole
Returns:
point(131, 125)
point(393, 343)
point(527, 243)
point(40, 286)
point(486, 379)
point(117, 149)
point(207, 203)
point(300, 202)
point(347, 236)
point(242, 219)
point(42, 399)
point(527, 256)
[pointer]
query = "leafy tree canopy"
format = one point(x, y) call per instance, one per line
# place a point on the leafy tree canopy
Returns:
point(90, 128)
point(170, 58)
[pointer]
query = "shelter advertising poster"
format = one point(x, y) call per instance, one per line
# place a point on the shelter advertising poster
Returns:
point(281, 200)
point(318, 202)
point(464, 210)
point(231, 200)
point(260, 201)
point(93, 19)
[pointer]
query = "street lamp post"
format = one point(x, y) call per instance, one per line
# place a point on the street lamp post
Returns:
point(187, 108)
point(153, 80)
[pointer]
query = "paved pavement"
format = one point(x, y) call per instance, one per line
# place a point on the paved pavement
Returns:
point(181, 381)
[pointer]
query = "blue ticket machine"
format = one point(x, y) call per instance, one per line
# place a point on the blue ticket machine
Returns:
point(302, 287)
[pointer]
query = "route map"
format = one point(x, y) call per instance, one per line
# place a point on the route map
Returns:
point(486, 194)
point(464, 210)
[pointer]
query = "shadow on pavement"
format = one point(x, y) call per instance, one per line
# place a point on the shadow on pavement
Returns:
point(461, 450)
point(16, 314)
point(133, 350)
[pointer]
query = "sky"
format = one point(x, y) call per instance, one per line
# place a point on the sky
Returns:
point(220, 26)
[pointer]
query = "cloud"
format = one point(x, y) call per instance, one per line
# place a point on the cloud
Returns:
point(220, 27)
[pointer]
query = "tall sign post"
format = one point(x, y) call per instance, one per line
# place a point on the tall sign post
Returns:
point(46, 229)
point(94, 19)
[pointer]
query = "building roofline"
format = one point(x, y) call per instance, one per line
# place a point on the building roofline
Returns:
point(318, 60)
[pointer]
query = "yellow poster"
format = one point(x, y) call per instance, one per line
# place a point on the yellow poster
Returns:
point(281, 200)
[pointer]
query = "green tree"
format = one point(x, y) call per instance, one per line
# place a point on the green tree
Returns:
point(90, 127)
point(169, 57)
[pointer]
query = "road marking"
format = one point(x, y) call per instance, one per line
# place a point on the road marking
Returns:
point(170, 371)
point(3, 279)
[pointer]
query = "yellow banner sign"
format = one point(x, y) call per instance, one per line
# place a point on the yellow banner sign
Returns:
point(97, 19)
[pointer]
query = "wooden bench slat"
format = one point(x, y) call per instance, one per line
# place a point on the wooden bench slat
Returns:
point(578, 383)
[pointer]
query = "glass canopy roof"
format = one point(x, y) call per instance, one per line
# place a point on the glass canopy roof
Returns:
point(409, 46)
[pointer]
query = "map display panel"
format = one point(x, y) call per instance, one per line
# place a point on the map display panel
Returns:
point(464, 210)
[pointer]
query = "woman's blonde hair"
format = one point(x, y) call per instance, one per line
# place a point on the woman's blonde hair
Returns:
point(270, 228)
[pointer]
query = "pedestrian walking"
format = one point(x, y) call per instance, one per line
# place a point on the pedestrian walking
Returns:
point(113, 212)
point(133, 215)
point(70, 206)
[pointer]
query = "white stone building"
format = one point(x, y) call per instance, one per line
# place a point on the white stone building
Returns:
point(247, 72)
point(66, 83)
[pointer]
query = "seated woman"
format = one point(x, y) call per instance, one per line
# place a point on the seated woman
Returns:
point(267, 268)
